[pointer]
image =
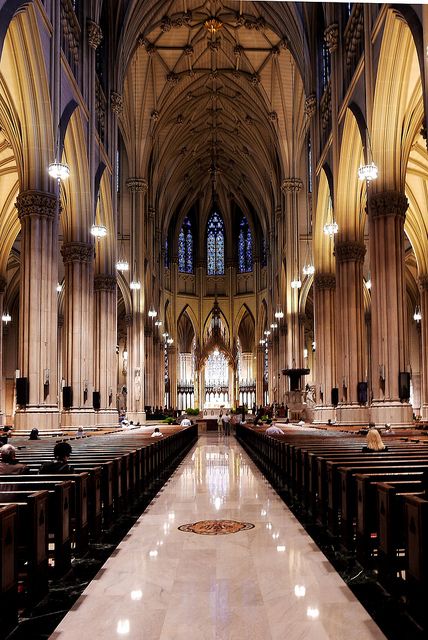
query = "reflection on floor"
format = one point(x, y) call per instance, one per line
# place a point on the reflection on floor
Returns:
point(270, 581)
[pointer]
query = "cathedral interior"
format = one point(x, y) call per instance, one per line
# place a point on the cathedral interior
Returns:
point(213, 204)
point(212, 156)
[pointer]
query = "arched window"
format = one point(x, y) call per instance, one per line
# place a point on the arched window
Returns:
point(245, 247)
point(185, 247)
point(215, 245)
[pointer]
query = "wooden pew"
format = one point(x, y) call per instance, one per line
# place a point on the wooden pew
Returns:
point(58, 517)
point(31, 542)
point(416, 512)
point(78, 499)
point(8, 577)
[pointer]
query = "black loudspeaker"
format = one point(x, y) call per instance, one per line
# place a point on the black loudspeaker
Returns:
point(362, 392)
point(22, 391)
point(67, 397)
point(335, 396)
point(96, 400)
point(404, 385)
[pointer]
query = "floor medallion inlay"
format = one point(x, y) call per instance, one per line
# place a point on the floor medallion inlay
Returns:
point(216, 527)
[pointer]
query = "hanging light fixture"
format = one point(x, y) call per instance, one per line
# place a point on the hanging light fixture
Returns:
point(59, 170)
point(122, 264)
point(6, 317)
point(158, 323)
point(296, 283)
point(170, 340)
point(274, 325)
point(59, 287)
point(369, 171)
point(368, 283)
point(279, 314)
point(331, 228)
point(98, 231)
point(135, 285)
point(152, 313)
point(417, 316)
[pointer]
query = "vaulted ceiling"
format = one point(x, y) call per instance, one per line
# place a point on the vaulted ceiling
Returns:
point(212, 105)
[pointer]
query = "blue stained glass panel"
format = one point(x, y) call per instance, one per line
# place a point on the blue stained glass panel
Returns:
point(185, 247)
point(215, 245)
point(245, 247)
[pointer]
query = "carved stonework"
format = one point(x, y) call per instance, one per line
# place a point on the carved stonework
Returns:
point(152, 213)
point(188, 50)
point(255, 79)
point(154, 115)
point(238, 50)
point(350, 251)
point(273, 116)
point(423, 283)
point(95, 35)
point(105, 282)
point(172, 78)
point(311, 105)
point(137, 184)
point(116, 102)
point(36, 203)
point(291, 185)
point(77, 252)
point(388, 203)
point(331, 37)
point(3, 284)
point(325, 281)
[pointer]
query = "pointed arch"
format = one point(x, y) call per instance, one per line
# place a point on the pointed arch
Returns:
point(215, 245)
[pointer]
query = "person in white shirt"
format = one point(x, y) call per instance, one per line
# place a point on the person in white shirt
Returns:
point(156, 433)
point(273, 430)
point(186, 422)
point(226, 424)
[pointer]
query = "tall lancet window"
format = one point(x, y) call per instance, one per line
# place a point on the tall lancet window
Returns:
point(245, 247)
point(215, 245)
point(185, 247)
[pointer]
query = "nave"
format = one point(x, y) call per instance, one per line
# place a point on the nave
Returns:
point(270, 581)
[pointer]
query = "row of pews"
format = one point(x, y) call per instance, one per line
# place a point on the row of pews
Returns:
point(376, 502)
point(45, 520)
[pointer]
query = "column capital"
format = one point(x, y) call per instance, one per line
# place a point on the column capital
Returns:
point(350, 251)
point(77, 252)
point(95, 34)
point(331, 37)
point(137, 184)
point(116, 102)
point(310, 107)
point(36, 203)
point(388, 203)
point(423, 282)
point(291, 185)
point(105, 282)
point(325, 281)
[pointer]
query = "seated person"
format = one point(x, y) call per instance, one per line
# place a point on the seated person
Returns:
point(273, 430)
point(186, 422)
point(62, 452)
point(156, 433)
point(374, 442)
point(80, 432)
point(8, 462)
point(34, 435)
point(388, 429)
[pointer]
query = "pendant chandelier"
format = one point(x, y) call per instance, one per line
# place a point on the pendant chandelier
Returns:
point(6, 317)
point(369, 171)
point(59, 170)
point(417, 316)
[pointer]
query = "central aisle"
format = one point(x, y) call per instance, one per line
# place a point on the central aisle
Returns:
point(267, 582)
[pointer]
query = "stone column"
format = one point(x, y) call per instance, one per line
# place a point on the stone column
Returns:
point(105, 359)
point(136, 360)
point(78, 345)
point(3, 284)
point(172, 365)
point(387, 212)
point(423, 285)
point(150, 367)
point(351, 367)
point(37, 212)
point(325, 341)
point(291, 187)
point(259, 375)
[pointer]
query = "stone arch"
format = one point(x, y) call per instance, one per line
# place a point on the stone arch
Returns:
point(78, 208)
point(323, 249)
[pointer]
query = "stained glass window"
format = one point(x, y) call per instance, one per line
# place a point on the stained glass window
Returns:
point(264, 252)
point(245, 247)
point(166, 255)
point(185, 247)
point(215, 245)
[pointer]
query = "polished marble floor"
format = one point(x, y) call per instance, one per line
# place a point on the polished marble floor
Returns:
point(268, 582)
